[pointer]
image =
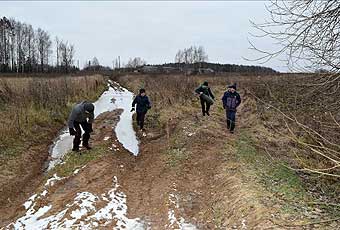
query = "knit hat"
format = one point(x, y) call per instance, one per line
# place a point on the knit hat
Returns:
point(141, 91)
point(233, 86)
point(89, 107)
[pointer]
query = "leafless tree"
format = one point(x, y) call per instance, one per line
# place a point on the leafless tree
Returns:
point(44, 44)
point(95, 61)
point(6, 32)
point(57, 41)
point(24, 49)
point(135, 62)
point(191, 55)
point(307, 33)
point(66, 55)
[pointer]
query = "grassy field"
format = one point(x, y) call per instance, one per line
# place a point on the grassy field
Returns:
point(255, 173)
point(270, 156)
point(33, 110)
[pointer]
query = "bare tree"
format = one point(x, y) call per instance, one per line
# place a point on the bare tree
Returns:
point(57, 41)
point(6, 32)
point(95, 61)
point(24, 49)
point(191, 55)
point(308, 35)
point(135, 62)
point(67, 55)
point(44, 44)
point(307, 32)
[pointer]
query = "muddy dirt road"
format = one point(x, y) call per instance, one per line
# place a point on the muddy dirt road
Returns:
point(165, 186)
point(182, 176)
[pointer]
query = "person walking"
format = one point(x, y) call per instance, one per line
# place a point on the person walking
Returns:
point(82, 115)
point(231, 100)
point(143, 105)
point(206, 97)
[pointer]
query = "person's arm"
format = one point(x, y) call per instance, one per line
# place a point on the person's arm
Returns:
point(134, 104)
point(198, 90)
point(224, 100)
point(211, 94)
point(71, 118)
point(91, 118)
point(238, 100)
point(70, 122)
point(148, 104)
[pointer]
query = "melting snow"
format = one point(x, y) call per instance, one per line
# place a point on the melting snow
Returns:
point(83, 214)
point(51, 181)
point(124, 129)
point(176, 222)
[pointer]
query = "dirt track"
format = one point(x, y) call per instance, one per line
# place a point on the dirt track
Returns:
point(203, 188)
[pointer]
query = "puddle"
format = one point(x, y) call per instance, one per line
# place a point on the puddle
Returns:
point(124, 129)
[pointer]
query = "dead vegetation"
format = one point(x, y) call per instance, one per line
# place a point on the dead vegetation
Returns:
point(28, 104)
point(280, 150)
point(33, 110)
point(297, 129)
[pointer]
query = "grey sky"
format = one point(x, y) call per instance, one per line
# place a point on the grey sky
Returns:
point(151, 30)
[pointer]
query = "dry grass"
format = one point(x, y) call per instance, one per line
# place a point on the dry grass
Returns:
point(30, 106)
point(174, 100)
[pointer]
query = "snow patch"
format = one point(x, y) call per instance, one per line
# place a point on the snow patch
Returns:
point(83, 212)
point(51, 181)
point(124, 129)
point(176, 221)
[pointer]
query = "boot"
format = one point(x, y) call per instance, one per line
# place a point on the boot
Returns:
point(75, 149)
point(87, 147)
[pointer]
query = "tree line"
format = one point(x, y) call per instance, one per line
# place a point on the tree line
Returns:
point(191, 55)
point(24, 49)
point(221, 68)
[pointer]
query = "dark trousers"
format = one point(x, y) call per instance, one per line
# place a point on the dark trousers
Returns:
point(205, 106)
point(86, 135)
point(231, 118)
point(140, 119)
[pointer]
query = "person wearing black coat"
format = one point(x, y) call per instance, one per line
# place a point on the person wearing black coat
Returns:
point(231, 100)
point(204, 89)
point(143, 105)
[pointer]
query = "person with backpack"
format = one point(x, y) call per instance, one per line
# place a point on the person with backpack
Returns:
point(206, 97)
point(82, 115)
point(231, 100)
point(143, 105)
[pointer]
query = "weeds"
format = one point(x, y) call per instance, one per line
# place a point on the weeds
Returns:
point(32, 107)
point(176, 156)
point(75, 161)
point(273, 174)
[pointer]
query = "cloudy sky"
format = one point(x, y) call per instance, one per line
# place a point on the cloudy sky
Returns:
point(151, 30)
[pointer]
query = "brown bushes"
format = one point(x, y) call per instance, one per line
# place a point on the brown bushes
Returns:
point(29, 103)
point(308, 117)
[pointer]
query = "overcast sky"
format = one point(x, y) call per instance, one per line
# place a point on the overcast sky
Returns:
point(151, 30)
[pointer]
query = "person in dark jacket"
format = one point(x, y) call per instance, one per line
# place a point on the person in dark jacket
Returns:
point(231, 100)
point(143, 105)
point(82, 115)
point(204, 89)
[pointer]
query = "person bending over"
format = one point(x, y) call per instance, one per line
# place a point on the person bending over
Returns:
point(82, 115)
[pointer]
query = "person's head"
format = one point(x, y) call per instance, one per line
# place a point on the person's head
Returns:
point(232, 88)
point(142, 92)
point(205, 83)
point(89, 107)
